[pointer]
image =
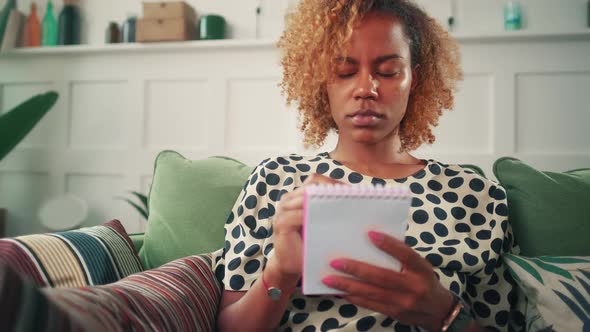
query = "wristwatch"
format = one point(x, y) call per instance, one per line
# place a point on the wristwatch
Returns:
point(272, 292)
point(459, 319)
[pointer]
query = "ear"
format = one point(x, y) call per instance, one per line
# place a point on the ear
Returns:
point(415, 73)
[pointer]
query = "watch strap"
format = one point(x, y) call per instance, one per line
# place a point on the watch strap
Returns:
point(459, 317)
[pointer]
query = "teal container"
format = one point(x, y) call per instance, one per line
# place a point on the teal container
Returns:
point(69, 25)
point(128, 30)
point(211, 27)
point(4, 14)
point(512, 16)
point(49, 27)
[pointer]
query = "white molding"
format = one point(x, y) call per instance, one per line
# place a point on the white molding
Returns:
point(224, 44)
point(523, 36)
point(206, 45)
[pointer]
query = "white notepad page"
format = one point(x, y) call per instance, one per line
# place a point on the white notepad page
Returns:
point(336, 225)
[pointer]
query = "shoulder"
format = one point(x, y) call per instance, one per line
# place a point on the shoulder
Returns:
point(292, 159)
point(465, 179)
point(285, 170)
point(292, 163)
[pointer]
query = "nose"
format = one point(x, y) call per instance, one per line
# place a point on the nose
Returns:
point(366, 87)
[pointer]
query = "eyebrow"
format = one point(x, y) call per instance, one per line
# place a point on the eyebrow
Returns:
point(380, 59)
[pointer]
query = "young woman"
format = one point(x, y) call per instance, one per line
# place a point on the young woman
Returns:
point(379, 72)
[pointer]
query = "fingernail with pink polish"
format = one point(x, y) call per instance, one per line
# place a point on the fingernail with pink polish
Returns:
point(376, 237)
point(338, 264)
point(329, 281)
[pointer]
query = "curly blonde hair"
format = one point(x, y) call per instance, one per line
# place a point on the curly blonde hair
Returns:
point(318, 31)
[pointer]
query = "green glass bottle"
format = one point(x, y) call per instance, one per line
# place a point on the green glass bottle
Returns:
point(8, 7)
point(512, 15)
point(69, 24)
point(49, 27)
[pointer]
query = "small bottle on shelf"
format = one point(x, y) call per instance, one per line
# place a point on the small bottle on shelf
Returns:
point(49, 27)
point(128, 29)
point(69, 23)
point(113, 34)
point(32, 28)
point(451, 23)
point(512, 15)
point(258, 14)
point(452, 20)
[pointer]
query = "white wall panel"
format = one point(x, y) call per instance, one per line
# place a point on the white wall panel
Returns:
point(98, 115)
point(553, 113)
point(468, 128)
point(22, 194)
point(479, 16)
point(102, 194)
point(119, 106)
point(177, 114)
point(258, 118)
point(487, 16)
point(441, 10)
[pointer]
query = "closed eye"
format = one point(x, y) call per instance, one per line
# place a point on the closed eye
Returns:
point(346, 75)
point(388, 74)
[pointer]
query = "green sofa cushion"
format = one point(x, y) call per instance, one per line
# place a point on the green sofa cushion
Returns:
point(189, 203)
point(549, 211)
point(137, 239)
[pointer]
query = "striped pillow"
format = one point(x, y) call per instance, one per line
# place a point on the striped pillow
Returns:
point(182, 295)
point(90, 256)
point(26, 308)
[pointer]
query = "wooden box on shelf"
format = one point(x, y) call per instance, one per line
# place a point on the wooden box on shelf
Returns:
point(167, 21)
point(166, 10)
point(171, 29)
point(2, 222)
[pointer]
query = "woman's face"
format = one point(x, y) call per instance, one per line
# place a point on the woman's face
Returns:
point(370, 87)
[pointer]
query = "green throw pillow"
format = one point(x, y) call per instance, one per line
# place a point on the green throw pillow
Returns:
point(557, 291)
point(189, 203)
point(549, 211)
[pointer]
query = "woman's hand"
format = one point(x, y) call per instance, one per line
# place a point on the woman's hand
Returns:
point(287, 223)
point(413, 296)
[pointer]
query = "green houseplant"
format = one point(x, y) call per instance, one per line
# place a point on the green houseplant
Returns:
point(142, 206)
point(17, 123)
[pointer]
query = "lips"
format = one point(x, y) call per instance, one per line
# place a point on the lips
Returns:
point(365, 118)
point(366, 113)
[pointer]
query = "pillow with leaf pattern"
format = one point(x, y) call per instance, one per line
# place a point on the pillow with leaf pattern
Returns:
point(557, 291)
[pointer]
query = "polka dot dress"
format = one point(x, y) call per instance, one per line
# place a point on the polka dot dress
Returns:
point(458, 222)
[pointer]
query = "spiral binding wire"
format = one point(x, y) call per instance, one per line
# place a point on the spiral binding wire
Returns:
point(358, 191)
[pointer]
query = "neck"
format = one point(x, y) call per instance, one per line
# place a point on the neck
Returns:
point(385, 152)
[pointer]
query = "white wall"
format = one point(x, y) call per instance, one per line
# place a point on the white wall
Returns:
point(471, 16)
point(484, 16)
point(526, 96)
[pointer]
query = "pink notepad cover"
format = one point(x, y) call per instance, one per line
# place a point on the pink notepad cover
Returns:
point(336, 221)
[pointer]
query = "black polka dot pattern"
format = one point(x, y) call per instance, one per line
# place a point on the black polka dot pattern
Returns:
point(457, 222)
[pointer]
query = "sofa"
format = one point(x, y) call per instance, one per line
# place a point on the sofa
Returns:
point(163, 279)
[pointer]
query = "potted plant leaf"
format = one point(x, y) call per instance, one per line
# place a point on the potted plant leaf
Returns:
point(16, 124)
point(142, 206)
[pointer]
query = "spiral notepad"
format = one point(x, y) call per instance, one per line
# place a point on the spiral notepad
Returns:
point(337, 220)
